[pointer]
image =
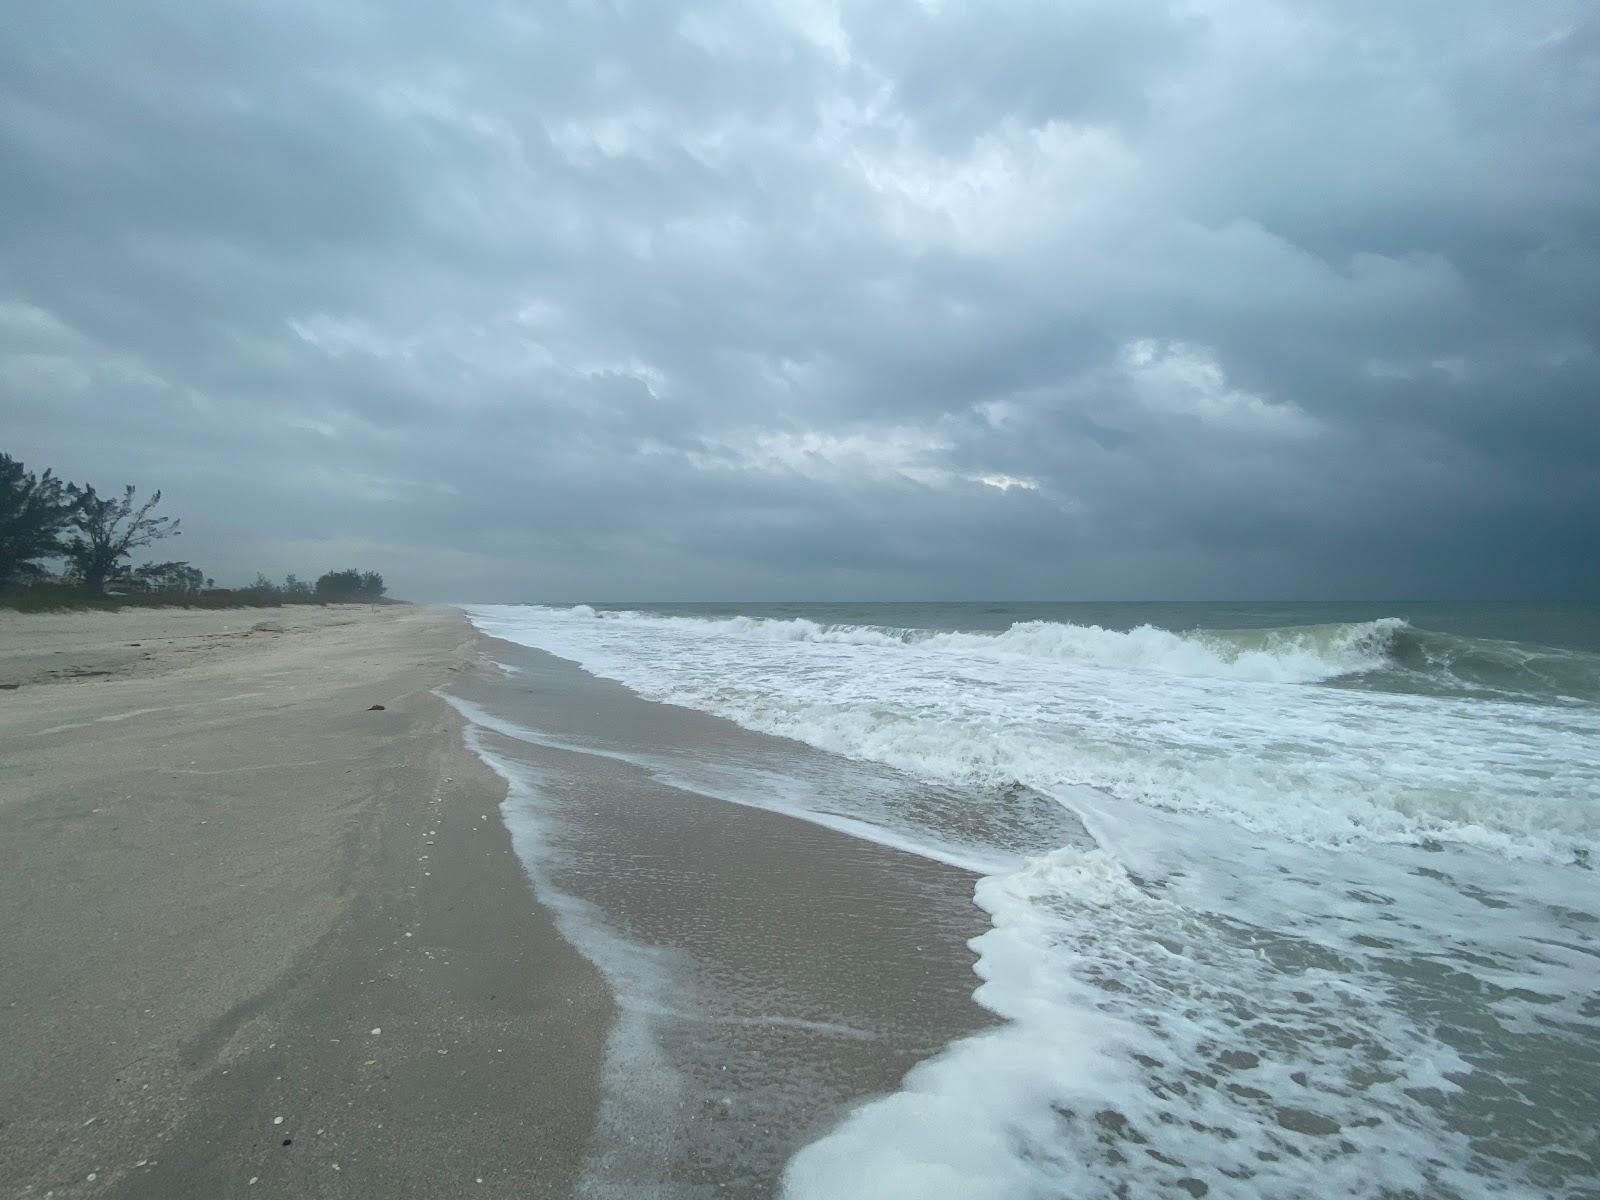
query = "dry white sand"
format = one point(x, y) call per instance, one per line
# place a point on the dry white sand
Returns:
point(221, 876)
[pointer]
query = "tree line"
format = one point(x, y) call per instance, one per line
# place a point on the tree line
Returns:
point(45, 519)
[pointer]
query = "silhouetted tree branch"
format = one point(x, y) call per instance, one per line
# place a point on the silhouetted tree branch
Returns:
point(109, 531)
point(35, 512)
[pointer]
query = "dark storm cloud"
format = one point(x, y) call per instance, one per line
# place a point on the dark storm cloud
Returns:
point(812, 299)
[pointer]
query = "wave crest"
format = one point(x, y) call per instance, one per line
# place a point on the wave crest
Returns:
point(1304, 654)
point(1301, 654)
point(1388, 653)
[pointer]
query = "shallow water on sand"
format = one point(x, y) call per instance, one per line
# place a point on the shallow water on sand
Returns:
point(770, 973)
point(1281, 901)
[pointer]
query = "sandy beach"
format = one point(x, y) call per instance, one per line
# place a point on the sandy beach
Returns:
point(264, 939)
point(261, 939)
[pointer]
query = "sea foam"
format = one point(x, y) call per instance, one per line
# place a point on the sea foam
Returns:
point(1170, 720)
point(1209, 995)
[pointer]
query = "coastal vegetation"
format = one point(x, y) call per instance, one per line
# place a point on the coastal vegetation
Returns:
point(63, 545)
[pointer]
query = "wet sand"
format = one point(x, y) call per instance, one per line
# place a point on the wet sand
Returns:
point(222, 876)
point(772, 973)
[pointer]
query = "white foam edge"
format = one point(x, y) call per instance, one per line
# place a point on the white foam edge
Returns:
point(640, 1093)
point(665, 773)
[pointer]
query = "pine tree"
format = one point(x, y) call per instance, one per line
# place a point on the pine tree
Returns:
point(109, 531)
point(35, 513)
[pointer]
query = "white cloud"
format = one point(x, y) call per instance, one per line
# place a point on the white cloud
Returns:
point(1011, 186)
point(27, 322)
point(44, 373)
point(1006, 482)
point(862, 455)
point(1184, 380)
point(922, 456)
point(341, 336)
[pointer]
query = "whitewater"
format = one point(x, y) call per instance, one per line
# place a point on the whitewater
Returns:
point(1303, 909)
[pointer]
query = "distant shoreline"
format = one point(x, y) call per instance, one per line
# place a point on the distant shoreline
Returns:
point(53, 598)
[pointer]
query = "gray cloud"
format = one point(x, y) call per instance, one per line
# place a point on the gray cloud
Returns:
point(607, 299)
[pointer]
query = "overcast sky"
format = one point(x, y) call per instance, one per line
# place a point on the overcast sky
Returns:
point(624, 299)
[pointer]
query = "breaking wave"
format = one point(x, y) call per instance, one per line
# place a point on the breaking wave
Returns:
point(1387, 654)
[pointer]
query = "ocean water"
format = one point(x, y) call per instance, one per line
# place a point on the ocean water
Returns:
point(1285, 900)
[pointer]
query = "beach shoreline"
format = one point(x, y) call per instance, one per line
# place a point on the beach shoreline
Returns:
point(264, 937)
point(773, 970)
point(276, 940)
